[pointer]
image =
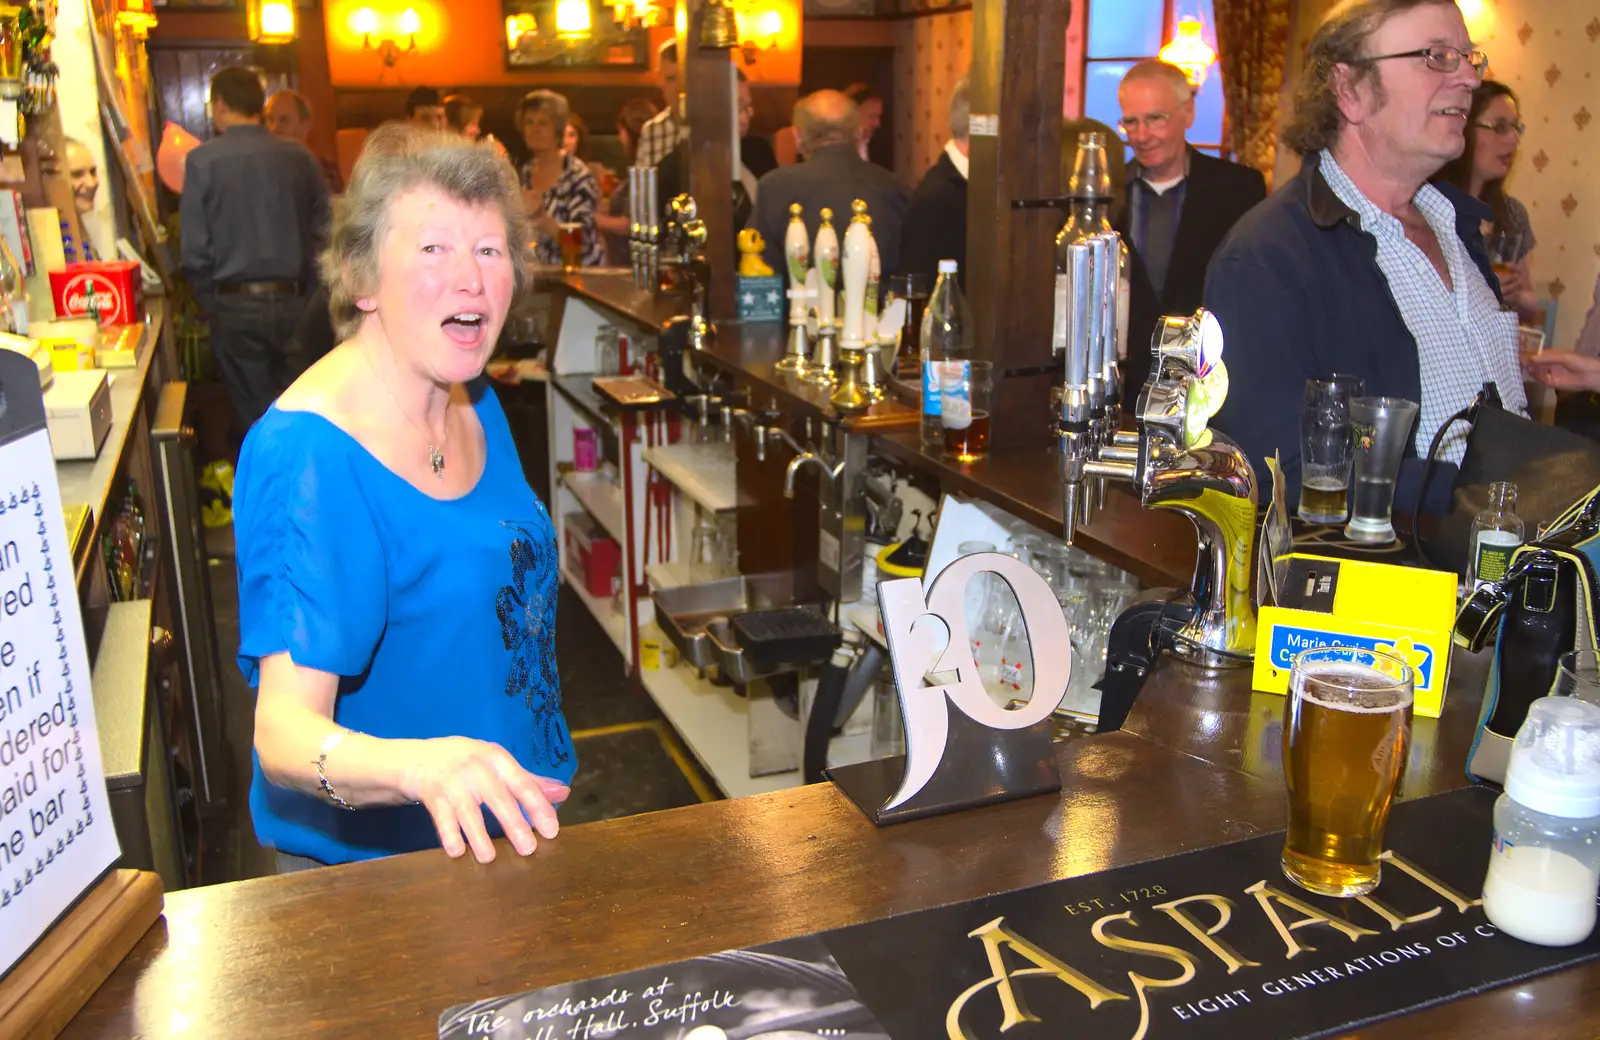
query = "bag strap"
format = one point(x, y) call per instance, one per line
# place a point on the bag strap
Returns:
point(1489, 395)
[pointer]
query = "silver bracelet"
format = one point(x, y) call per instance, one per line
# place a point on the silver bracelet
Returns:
point(330, 742)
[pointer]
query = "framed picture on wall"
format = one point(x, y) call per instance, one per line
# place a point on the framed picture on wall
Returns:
point(535, 39)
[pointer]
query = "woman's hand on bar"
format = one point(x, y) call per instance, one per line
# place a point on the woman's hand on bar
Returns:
point(454, 776)
point(1564, 370)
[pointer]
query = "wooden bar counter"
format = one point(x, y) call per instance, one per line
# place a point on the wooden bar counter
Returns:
point(381, 948)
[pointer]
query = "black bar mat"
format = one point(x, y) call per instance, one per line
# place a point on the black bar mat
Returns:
point(1208, 944)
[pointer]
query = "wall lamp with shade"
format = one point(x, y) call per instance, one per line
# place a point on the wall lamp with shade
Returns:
point(272, 21)
point(759, 33)
point(365, 22)
point(1189, 51)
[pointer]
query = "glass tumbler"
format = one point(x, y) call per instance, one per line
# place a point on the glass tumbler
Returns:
point(1380, 426)
point(1578, 675)
point(1326, 451)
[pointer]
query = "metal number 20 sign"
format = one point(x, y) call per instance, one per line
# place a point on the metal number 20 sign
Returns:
point(912, 624)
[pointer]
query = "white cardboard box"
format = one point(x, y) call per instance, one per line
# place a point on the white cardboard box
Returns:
point(77, 411)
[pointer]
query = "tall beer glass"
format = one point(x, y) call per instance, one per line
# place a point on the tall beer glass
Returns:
point(1345, 734)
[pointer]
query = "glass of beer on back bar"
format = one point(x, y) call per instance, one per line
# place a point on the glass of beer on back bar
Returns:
point(1346, 730)
point(964, 408)
point(914, 289)
point(571, 246)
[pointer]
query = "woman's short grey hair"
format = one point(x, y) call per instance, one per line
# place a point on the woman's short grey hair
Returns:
point(399, 158)
point(961, 108)
point(550, 103)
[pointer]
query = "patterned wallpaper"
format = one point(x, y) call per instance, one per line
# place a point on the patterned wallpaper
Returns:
point(1546, 50)
point(931, 54)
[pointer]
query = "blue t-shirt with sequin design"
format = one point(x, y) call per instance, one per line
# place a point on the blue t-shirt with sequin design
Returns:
point(438, 616)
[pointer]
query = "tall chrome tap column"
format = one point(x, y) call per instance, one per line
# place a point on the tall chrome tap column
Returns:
point(1074, 308)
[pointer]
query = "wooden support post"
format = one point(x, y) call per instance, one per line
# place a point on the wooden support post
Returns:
point(1018, 71)
point(708, 82)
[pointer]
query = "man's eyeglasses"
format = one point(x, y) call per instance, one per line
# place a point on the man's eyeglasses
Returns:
point(1155, 122)
point(1442, 59)
point(1503, 127)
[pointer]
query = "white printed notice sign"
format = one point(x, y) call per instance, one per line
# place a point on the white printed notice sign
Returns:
point(56, 836)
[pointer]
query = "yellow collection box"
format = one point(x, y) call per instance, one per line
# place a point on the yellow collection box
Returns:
point(1406, 611)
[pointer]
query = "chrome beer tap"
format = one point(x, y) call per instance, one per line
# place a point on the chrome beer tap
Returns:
point(797, 261)
point(651, 223)
point(683, 247)
point(636, 226)
point(1173, 460)
point(825, 355)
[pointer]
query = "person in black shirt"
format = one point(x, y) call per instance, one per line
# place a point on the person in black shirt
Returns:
point(254, 216)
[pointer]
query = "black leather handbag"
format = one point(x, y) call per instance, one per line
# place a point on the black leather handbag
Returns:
point(1550, 466)
point(1543, 607)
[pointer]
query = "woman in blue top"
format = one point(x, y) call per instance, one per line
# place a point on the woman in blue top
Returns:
point(397, 576)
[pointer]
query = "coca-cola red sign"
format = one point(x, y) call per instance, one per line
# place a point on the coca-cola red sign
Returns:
point(114, 289)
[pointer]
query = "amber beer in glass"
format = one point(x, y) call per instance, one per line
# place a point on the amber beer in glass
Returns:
point(571, 246)
point(1346, 731)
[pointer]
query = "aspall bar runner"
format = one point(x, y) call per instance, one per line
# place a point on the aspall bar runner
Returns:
point(113, 286)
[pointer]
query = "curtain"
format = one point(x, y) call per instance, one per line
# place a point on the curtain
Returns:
point(1252, 41)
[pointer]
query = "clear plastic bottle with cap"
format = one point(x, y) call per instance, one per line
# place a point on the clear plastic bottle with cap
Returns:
point(1544, 864)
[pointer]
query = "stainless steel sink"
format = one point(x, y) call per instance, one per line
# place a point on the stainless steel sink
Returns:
point(689, 613)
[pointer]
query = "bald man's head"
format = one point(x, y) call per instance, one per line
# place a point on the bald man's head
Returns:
point(824, 118)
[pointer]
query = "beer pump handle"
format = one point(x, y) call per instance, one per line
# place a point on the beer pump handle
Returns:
point(855, 270)
point(826, 256)
point(797, 257)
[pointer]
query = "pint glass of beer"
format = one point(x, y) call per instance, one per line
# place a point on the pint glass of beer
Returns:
point(571, 246)
point(1346, 730)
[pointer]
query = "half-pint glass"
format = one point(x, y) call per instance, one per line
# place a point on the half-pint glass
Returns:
point(1346, 730)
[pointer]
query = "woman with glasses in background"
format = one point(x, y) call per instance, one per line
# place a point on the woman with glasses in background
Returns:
point(1494, 132)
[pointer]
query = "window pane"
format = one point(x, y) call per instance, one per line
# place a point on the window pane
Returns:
point(1100, 94)
point(1207, 108)
point(1126, 28)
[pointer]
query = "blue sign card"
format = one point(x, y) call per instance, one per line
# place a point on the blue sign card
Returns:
point(760, 298)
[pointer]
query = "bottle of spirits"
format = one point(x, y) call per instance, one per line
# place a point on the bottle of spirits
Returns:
point(1496, 533)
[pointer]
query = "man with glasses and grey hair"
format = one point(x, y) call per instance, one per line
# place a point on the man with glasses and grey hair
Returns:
point(1179, 205)
point(832, 177)
point(1359, 265)
point(936, 224)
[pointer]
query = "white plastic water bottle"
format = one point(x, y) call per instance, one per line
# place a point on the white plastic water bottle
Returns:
point(946, 341)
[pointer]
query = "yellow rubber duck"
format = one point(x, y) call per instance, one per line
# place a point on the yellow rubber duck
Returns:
point(750, 246)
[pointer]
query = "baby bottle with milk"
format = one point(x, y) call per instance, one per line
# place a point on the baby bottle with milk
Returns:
point(1544, 866)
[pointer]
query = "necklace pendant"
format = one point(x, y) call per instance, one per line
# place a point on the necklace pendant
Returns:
point(436, 461)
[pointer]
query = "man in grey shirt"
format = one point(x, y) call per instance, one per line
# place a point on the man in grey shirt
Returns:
point(254, 216)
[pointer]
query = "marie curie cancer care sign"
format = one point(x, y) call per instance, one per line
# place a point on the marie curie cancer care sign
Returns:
point(56, 835)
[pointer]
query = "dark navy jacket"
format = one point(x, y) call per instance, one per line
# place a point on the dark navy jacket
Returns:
point(1297, 290)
